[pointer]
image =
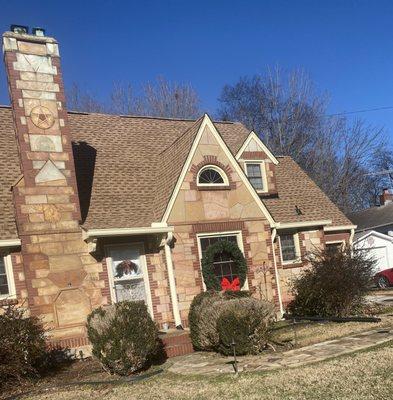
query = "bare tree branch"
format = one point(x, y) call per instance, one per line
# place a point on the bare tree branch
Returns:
point(291, 118)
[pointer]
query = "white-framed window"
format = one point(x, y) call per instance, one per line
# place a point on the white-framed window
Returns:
point(223, 264)
point(335, 245)
point(7, 283)
point(127, 272)
point(256, 173)
point(289, 247)
point(211, 175)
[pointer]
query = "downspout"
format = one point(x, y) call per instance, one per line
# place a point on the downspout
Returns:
point(273, 236)
point(171, 277)
point(351, 237)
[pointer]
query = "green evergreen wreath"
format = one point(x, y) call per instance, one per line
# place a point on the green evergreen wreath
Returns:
point(210, 279)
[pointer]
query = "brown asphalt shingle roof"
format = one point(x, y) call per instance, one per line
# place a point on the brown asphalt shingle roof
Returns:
point(295, 188)
point(127, 168)
point(9, 173)
point(171, 162)
point(373, 217)
point(118, 159)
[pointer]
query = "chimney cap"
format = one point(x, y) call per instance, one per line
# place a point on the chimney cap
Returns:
point(37, 31)
point(21, 29)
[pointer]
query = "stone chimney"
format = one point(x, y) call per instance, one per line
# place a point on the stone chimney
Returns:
point(63, 281)
point(386, 197)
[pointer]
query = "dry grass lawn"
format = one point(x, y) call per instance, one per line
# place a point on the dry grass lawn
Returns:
point(364, 375)
point(318, 332)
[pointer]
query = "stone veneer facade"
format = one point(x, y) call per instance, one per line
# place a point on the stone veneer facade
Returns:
point(59, 281)
point(55, 275)
point(198, 211)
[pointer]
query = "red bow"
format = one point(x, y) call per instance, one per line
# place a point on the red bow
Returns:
point(234, 285)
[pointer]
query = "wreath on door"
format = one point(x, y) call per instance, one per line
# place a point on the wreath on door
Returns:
point(126, 267)
point(239, 270)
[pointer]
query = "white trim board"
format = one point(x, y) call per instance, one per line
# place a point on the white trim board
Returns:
point(289, 225)
point(339, 228)
point(254, 136)
point(10, 243)
point(94, 233)
point(373, 233)
point(208, 122)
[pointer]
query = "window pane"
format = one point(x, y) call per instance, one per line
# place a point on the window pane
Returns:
point(223, 263)
point(288, 248)
point(257, 183)
point(3, 278)
point(254, 170)
point(254, 174)
point(210, 176)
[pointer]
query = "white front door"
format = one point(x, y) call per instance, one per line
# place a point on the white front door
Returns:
point(128, 273)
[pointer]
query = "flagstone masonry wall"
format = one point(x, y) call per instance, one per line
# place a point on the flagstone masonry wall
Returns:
point(199, 210)
point(62, 281)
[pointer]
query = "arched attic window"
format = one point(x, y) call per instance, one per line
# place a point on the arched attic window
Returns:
point(211, 175)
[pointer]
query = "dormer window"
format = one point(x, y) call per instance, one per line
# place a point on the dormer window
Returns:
point(212, 175)
point(256, 174)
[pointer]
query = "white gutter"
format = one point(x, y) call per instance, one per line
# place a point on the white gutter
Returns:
point(339, 228)
point(273, 236)
point(106, 232)
point(10, 243)
point(171, 277)
point(288, 225)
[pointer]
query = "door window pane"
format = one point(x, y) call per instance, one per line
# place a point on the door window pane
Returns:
point(127, 273)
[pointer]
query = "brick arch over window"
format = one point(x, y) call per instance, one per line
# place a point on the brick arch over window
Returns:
point(211, 160)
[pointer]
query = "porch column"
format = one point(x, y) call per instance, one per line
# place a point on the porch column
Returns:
point(171, 277)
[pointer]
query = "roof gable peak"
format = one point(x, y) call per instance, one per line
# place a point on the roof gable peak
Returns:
point(264, 148)
point(207, 122)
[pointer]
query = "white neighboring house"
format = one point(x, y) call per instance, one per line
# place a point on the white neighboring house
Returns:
point(379, 245)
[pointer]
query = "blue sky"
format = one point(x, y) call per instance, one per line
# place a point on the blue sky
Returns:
point(345, 46)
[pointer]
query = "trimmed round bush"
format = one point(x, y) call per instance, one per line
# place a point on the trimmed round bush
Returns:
point(203, 331)
point(123, 336)
point(209, 307)
point(204, 312)
point(244, 322)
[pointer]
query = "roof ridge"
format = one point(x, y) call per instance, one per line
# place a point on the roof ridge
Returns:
point(152, 117)
point(380, 207)
point(139, 116)
point(198, 121)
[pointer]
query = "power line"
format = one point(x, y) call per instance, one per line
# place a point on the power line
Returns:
point(361, 111)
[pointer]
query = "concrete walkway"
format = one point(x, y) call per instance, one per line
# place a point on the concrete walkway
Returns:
point(211, 363)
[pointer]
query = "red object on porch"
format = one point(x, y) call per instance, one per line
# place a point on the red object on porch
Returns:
point(234, 285)
point(177, 343)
